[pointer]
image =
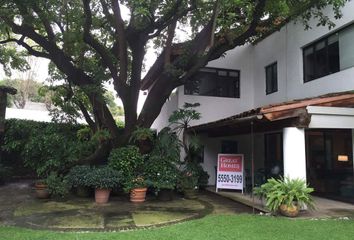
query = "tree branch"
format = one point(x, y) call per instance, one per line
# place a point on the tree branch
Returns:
point(169, 18)
point(29, 49)
point(122, 47)
point(45, 22)
point(91, 41)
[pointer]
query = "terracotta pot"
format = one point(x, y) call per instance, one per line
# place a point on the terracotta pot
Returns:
point(289, 211)
point(137, 195)
point(102, 195)
point(42, 191)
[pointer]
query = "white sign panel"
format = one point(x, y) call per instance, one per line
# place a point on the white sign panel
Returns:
point(230, 172)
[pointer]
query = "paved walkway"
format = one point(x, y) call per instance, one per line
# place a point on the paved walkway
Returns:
point(324, 208)
point(19, 207)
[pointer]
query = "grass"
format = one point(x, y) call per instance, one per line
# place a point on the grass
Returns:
point(212, 227)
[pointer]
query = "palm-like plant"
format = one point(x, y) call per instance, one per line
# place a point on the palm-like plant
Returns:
point(286, 191)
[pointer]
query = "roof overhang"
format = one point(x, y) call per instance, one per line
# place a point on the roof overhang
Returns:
point(296, 113)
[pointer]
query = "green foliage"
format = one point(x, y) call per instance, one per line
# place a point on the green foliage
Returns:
point(141, 134)
point(183, 116)
point(187, 180)
point(180, 120)
point(44, 147)
point(103, 177)
point(130, 164)
point(285, 191)
point(161, 167)
point(57, 185)
point(101, 135)
point(84, 134)
point(78, 176)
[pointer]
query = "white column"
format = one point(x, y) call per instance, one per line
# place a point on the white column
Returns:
point(294, 153)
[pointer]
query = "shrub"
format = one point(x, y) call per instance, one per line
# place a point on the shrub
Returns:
point(142, 134)
point(285, 191)
point(78, 176)
point(161, 167)
point(187, 180)
point(44, 147)
point(130, 164)
point(57, 185)
point(103, 177)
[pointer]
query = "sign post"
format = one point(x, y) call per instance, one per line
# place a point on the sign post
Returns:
point(230, 172)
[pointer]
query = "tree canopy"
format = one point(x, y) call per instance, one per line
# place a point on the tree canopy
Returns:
point(92, 42)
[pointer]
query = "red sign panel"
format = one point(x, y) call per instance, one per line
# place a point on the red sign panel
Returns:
point(230, 163)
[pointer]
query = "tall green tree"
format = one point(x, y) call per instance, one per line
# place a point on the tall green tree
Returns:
point(90, 42)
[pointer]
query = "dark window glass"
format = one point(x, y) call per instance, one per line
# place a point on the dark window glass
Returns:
point(229, 146)
point(271, 78)
point(321, 58)
point(214, 82)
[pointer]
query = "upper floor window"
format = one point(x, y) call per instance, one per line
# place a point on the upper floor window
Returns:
point(214, 82)
point(271, 78)
point(329, 55)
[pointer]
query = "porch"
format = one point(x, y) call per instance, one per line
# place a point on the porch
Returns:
point(311, 139)
point(324, 208)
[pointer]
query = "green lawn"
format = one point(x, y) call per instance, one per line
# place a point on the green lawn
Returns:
point(212, 227)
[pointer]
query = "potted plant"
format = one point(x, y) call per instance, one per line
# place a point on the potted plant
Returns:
point(129, 162)
point(103, 179)
point(285, 195)
point(161, 166)
point(41, 189)
point(143, 138)
point(77, 178)
point(188, 184)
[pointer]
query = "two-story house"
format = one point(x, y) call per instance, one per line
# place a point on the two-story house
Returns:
point(284, 102)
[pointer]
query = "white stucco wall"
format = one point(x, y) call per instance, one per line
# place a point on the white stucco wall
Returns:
point(214, 108)
point(170, 106)
point(285, 47)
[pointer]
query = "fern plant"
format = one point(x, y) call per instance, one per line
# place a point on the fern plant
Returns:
point(285, 191)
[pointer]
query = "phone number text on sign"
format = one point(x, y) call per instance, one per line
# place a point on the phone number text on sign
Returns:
point(229, 178)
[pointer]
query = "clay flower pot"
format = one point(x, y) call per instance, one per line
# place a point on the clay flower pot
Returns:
point(102, 195)
point(137, 195)
point(289, 211)
point(41, 189)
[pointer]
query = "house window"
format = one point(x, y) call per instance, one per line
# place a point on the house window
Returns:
point(214, 82)
point(271, 78)
point(229, 146)
point(329, 55)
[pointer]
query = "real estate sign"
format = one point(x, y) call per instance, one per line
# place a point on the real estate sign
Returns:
point(229, 172)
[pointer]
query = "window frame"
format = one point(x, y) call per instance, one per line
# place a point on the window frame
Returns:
point(235, 80)
point(273, 89)
point(313, 44)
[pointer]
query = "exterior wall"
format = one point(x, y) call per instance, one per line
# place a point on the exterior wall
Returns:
point(214, 108)
point(212, 146)
point(285, 47)
point(170, 106)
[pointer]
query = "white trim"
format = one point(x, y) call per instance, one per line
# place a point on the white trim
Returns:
point(331, 117)
point(330, 110)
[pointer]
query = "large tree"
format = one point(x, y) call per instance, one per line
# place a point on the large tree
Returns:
point(91, 42)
